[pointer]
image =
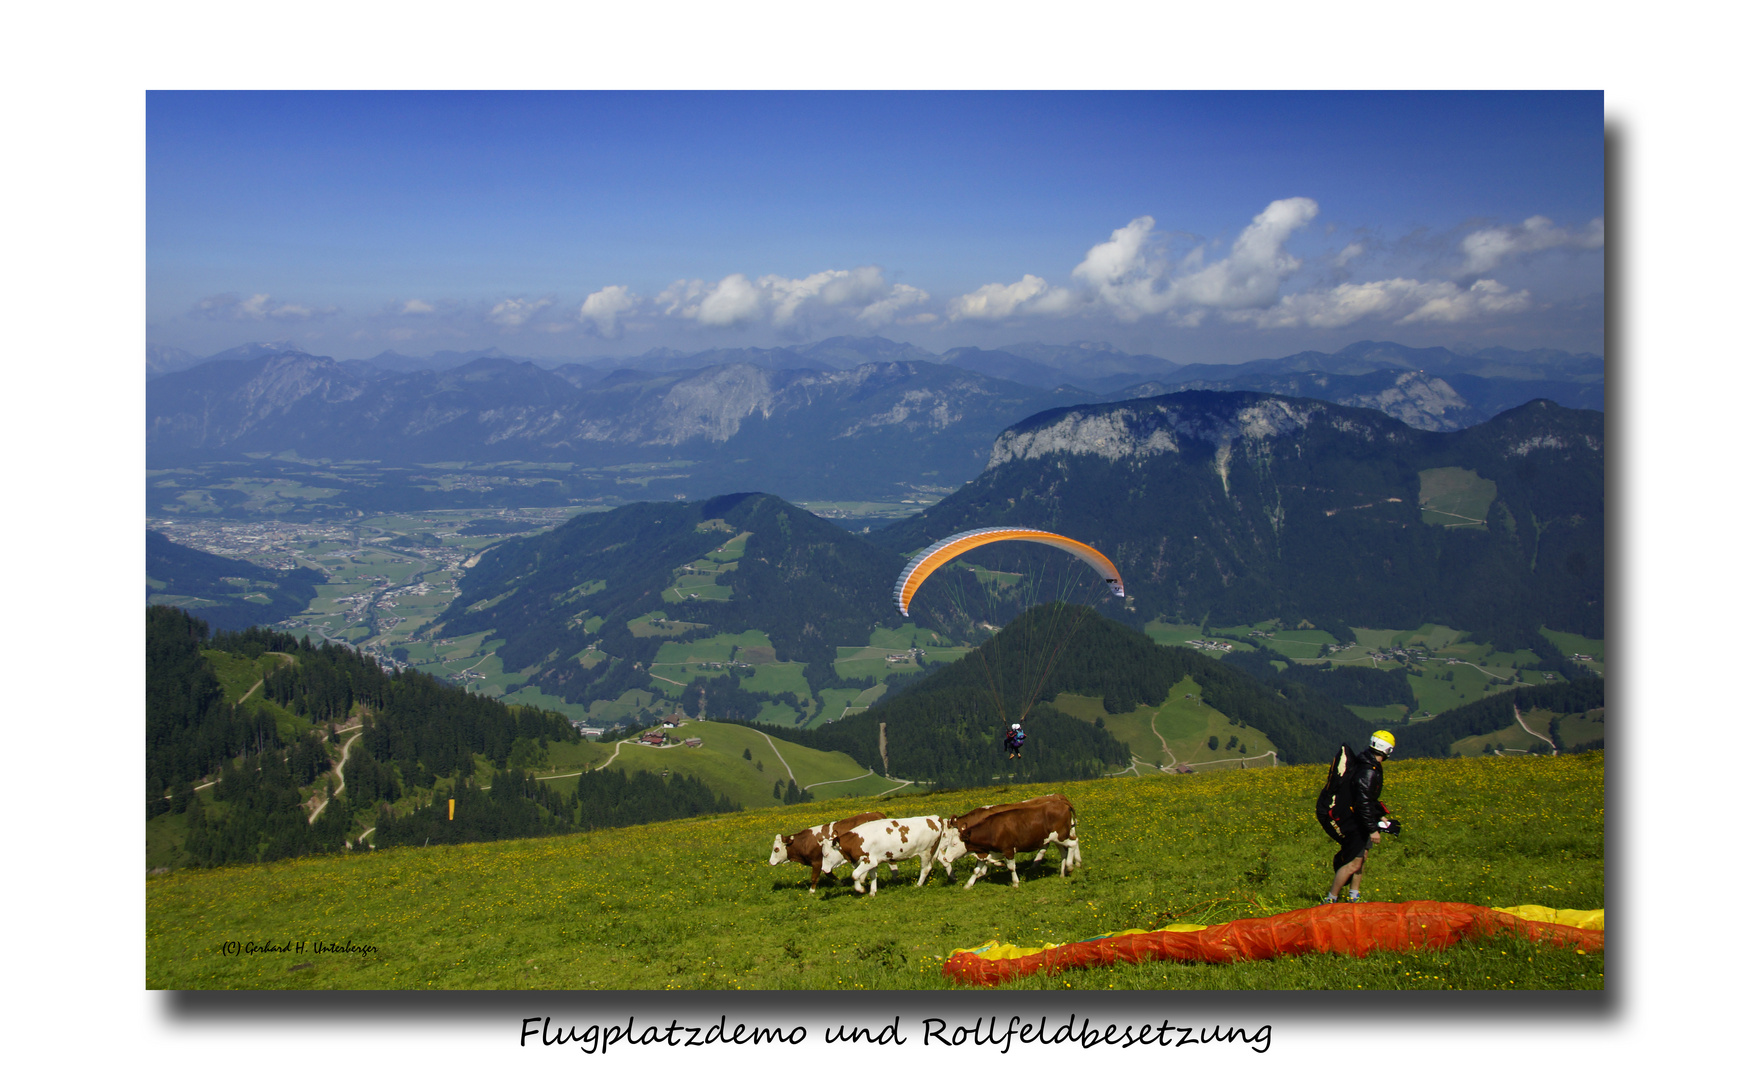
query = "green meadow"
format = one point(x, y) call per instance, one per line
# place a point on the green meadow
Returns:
point(692, 904)
point(1455, 498)
point(1175, 732)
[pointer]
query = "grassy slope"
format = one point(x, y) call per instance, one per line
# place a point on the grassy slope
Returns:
point(692, 904)
point(1576, 728)
point(1183, 720)
point(719, 764)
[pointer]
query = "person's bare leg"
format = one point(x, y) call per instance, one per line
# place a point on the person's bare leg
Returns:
point(1350, 869)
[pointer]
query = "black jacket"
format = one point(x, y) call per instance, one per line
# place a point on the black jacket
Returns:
point(1364, 789)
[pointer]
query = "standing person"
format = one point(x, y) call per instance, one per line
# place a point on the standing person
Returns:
point(1013, 740)
point(1357, 815)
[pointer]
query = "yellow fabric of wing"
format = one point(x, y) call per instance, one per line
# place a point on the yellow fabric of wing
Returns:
point(1585, 920)
point(995, 950)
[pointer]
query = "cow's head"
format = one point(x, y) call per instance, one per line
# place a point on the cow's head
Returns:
point(831, 858)
point(780, 850)
point(949, 848)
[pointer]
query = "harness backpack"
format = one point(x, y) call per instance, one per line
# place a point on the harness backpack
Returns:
point(1332, 801)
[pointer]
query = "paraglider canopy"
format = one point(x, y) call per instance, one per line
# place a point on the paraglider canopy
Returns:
point(943, 552)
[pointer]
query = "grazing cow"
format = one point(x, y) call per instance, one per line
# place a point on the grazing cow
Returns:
point(979, 814)
point(994, 834)
point(889, 840)
point(814, 847)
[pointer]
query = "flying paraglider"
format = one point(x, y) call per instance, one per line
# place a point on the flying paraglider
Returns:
point(943, 552)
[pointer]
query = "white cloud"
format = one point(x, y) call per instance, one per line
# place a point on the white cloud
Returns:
point(1401, 300)
point(1130, 276)
point(996, 301)
point(256, 308)
point(730, 302)
point(887, 309)
point(681, 299)
point(603, 308)
point(1485, 297)
point(1120, 273)
point(1252, 274)
point(417, 307)
point(790, 303)
point(830, 291)
point(512, 314)
point(1486, 249)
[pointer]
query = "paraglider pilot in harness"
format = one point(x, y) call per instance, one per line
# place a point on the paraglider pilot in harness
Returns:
point(1013, 740)
point(1351, 813)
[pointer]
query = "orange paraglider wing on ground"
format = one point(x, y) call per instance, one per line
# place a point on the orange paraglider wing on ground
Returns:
point(1349, 929)
point(943, 552)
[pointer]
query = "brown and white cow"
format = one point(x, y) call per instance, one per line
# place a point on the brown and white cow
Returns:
point(889, 840)
point(814, 847)
point(994, 834)
point(979, 813)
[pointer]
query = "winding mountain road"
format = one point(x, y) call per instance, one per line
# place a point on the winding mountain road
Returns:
point(340, 769)
point(1528, 731)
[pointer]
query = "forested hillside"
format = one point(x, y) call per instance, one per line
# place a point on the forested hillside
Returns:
point(808, 584)
point(257, 777)
point(947, 727)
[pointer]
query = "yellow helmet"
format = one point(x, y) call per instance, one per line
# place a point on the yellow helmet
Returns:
point(1383, 743)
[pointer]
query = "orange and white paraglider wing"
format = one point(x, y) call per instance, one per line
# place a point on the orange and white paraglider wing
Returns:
point(943, 552)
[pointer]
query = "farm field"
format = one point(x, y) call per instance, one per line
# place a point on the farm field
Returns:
point(1302, 643)
point(752, 779)
point(837, 700)
point(896, 510)
point(1384, 715)
point(870, 661)
point(528, 695)
point(635, 908)
point(1185, 633)
point(1185, 725)
point(1570, 644)
point(1574, 729)
point(1434, 694)
point(1455, 498)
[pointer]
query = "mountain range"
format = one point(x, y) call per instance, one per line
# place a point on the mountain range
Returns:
point(1235, 506)
point(1225, 507)
point(845, 418)
point(855, 433)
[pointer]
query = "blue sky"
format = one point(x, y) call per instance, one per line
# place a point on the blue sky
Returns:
point(1197, 226)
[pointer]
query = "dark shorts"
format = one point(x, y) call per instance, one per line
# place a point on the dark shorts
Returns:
point(1356, 841)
